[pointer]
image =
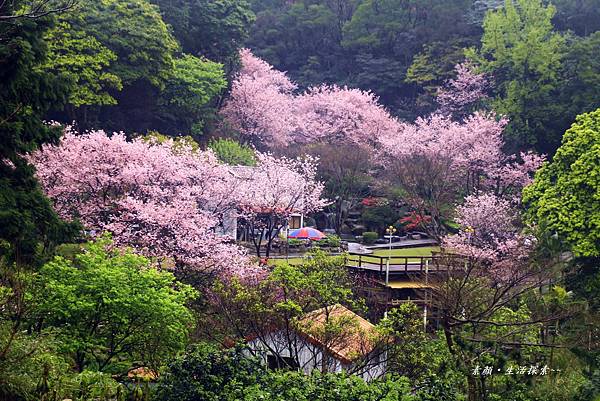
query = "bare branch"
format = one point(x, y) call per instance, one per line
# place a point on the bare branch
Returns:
point(36, 9)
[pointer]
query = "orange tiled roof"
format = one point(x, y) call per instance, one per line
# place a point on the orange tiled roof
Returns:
point(143, 373)
point(357, 339)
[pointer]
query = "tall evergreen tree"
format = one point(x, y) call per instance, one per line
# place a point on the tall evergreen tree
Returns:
point(26, 94)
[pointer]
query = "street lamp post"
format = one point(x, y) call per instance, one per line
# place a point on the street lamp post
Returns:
point(390, 232)
point(470, 231)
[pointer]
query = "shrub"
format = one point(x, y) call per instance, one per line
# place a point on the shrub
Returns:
point(331, 240)
point(295, 242)
point(208, 373)
point(369, 237)
point(231, 152)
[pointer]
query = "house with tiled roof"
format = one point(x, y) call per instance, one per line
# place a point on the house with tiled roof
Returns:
point(330, 339)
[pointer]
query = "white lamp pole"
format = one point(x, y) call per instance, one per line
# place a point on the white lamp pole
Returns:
point(426, 291)
point(390, 232)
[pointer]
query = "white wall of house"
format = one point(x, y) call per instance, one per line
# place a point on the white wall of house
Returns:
point(228, 225)
point(309, 356)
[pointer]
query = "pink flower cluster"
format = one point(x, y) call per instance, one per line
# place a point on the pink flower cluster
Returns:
point(490, 232)
point(280, 185)
point(166, 200)
point(463, 92)
point(159, 199)
point(264, 108)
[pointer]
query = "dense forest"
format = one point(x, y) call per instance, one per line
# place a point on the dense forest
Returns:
point(134, 132)
point(400, 50)
point(543, 68)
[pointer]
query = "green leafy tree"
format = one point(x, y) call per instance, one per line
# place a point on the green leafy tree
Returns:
point(83, 61)
point(195, 82)
point(408, 355)
point(303, 38)
point(232, 152)
point(214, 29)
point(113, 308)
point(135, 32)
point(27, 91)
point(206, 373)
point(289, 292)
point(580, 79)
point(26, 359)
point(563, 195)
point(124, 66)
point(563, 201)
point(523, 52)
point(319, 281)
point(189, 91)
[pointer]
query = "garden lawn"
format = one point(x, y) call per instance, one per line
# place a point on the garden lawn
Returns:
point(422, 251)
point(281, 261)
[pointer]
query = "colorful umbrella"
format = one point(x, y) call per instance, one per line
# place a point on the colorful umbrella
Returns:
point(306, 233)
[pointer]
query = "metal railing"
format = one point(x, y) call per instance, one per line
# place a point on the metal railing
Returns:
point(397, 264)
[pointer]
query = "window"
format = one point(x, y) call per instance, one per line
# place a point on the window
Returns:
point(281, 362)
point(295, 222)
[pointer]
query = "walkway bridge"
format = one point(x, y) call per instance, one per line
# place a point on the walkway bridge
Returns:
point(401, 265)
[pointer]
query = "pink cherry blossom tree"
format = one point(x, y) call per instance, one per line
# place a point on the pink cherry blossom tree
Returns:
point(462, 95)
point(490, 229)
point(260, 104)
point(438, 161)
point(491, 264)
point(163, 200)
point(264, 108)
point(470, 148)
point(341, 115)
point(272, 191)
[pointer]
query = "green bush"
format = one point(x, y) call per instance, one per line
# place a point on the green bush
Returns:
point(231, 152)
point(295, 242)
point(331, 240)
point(369, 237)
point(208, 373)
point(147, 309)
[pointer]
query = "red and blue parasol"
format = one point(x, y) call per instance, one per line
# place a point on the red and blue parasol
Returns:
point(306, 233)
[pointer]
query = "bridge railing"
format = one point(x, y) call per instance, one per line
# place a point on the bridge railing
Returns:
point(398, 264)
